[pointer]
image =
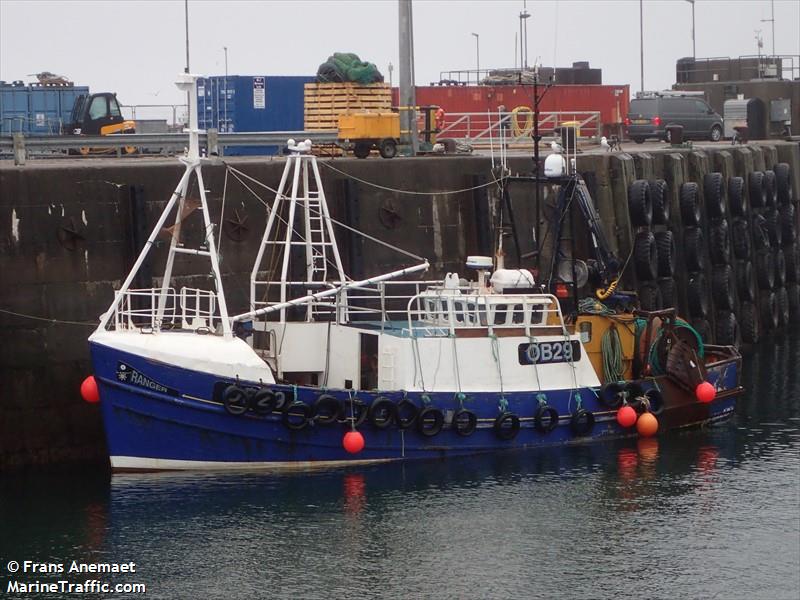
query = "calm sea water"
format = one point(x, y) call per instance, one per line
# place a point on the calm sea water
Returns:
point(704, 514)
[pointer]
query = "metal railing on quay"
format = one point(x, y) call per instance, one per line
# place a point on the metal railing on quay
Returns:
point(23, 146)
point(516, 127)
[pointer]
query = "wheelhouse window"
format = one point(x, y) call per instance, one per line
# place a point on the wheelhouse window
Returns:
point(98, 108)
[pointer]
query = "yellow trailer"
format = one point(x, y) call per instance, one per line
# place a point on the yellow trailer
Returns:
point(362, 131)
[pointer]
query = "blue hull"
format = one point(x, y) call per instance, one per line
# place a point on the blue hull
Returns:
point(169, 414)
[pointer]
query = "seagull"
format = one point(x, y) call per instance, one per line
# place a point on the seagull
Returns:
point(556, 147)
point(604, 144)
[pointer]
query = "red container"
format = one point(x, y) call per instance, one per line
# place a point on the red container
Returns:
point(610, 100)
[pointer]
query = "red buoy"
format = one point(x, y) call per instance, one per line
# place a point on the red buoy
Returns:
point(353, 442)
point(647, 425)
point(705, 392)
point(626, 416)
point(89, 390)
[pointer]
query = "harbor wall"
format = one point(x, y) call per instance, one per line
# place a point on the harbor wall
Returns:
point(70, 230)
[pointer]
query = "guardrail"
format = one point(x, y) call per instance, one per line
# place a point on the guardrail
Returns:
point(212, 141)
point(516, 127)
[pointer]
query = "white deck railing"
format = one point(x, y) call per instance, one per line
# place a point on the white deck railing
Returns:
point(188, 308)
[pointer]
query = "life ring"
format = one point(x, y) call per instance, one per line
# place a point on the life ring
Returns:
point(611, 394)
point(440, 115)
point(355, 412)
point(235, 400)
point(506, 426)
point(515, 125)
point(327, 409)
point(382, 412)
point(430, 421)
point(546, 419)
point(582, 422)
point(464, 422)
point(263, 402)
point(296, 416)
point(405, 413)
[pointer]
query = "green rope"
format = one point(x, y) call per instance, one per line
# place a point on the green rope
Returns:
point(652, 355)
point(541, 398)
point(460, 397)
point(611, 349)
point(590, 306)
point(503, 404)
point(425, 399)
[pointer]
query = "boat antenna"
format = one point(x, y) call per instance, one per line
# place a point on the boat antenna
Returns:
point(537, 137)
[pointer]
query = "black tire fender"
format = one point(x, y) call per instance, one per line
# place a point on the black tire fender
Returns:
point(696, 295)
point(430, 421)
point(740, 239)
point(640, 204)
point(690, 204)
point(611, 394)
point(656, 401)
point(718, 246)
point(645, 256)
point(406, 413)
point(659, 197)
point(693, 251)
point(263, 402)
point(582, 422)
point(736, 199)
point(748, 322)
point(296, 416)
point(714, 194)
point(722, 287)
point(756, 191)
point(464, 422)
point(382, 412)
point(506, 426)
point(783, 183)
point(546, 419)
point(665, 249)
point(326, 410)
point(236, 400)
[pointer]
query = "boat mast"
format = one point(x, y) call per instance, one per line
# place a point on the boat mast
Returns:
point(192, 160)
point(317, 238)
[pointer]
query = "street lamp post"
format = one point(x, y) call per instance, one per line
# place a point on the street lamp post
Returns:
point(641, 45)
point(523, 39)
point(478, 56)
point(225, 106)
point(694, 50)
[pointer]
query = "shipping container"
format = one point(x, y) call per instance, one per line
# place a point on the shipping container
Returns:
point(611, 101)
point(251, 103)
point(36, 109)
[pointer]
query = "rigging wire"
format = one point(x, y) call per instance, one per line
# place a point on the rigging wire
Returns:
point(327, 217)
point(410, 192)
point(46, 319)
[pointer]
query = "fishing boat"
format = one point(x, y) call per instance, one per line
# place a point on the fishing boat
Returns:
point(322, 370)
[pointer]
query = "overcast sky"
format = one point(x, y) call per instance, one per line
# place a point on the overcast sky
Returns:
point(135, 48)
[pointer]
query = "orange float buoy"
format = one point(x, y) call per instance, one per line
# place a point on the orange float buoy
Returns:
point(647, 425)
point(626, 416)
point(353, 442)
point(89, 391)
point(705, 392)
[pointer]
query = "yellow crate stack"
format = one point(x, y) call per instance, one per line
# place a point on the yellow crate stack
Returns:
point(324, 102)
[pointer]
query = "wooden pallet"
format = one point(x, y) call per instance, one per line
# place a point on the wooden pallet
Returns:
point(324, 102)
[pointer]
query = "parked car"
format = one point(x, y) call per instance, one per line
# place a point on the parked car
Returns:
point(649, 117)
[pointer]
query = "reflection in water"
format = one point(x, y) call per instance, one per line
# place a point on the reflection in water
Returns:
point(710, 513)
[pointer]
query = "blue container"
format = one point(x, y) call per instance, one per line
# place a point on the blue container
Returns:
point(35, 109)
point(251, 103)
